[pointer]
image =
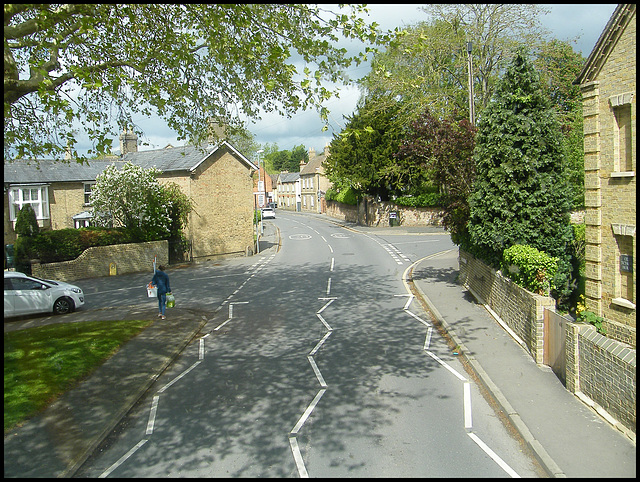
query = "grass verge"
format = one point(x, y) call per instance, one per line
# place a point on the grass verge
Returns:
point(42, 363)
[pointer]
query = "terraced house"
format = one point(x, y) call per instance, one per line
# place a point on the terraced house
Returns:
point(608, 85)
point(217, 178)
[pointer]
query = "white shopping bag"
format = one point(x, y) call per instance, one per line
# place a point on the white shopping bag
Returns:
point(152, 291)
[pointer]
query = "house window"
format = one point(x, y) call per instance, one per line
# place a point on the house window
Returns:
point(622, 135)
point(624, 289)
point(36, 196)
point(87, 194)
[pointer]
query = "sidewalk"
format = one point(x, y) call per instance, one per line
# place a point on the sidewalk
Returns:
point(567, 437)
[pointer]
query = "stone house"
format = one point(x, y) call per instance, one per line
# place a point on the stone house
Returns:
point(288, 191)
point(314, 183)
point(218, 179)
point(608, 85)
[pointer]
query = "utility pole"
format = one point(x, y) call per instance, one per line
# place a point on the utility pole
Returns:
point(472, 116)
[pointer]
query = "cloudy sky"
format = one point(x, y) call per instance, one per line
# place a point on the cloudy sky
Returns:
point(565, 21)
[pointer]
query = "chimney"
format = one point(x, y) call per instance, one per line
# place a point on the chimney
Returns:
point(128, 142)
point(326, 150)
point(217, 132)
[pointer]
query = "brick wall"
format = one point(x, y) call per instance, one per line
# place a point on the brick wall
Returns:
point(602, 369)
point(521, 310)
point(95, 262)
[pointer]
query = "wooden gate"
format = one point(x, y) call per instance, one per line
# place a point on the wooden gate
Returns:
point(554, 343)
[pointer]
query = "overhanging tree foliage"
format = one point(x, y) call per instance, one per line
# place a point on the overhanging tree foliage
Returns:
point(443, 149)
point(94, 65)
point(521, 193)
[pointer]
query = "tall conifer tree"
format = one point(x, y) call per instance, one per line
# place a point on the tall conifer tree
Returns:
point(521, 193)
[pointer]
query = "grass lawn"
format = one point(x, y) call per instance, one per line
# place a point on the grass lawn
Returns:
point(42, 363)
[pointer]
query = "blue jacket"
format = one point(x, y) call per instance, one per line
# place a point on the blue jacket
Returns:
point(161, 280)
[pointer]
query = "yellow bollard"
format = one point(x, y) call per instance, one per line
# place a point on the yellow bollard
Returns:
point(112, 269)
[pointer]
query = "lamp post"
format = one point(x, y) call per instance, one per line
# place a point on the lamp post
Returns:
point(258, 228)
point(472, 117)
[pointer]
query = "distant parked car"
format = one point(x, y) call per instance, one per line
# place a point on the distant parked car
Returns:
point(268, 213)
point(26, 295)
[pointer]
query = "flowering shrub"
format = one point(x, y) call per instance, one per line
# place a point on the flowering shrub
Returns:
point(532, 269)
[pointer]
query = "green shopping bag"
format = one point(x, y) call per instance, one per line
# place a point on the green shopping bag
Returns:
point(171, 301)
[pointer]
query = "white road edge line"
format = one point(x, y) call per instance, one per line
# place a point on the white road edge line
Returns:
point(317, 347)
point(308, 411)
point(316, 370)
point(297, 456)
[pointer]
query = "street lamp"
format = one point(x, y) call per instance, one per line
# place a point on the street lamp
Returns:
point(472, 116)
point(259, 180)
point(258, 227)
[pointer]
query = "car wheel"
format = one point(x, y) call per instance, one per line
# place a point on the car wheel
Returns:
point(63, 306)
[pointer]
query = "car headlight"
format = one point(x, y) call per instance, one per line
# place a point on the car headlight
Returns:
point(76, 290)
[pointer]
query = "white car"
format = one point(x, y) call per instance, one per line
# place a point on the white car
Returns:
point(268, 213)
point(26, 295)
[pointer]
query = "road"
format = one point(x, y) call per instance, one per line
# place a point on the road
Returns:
point(317, 363)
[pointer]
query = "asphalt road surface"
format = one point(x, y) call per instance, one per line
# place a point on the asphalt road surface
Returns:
point(316, 362)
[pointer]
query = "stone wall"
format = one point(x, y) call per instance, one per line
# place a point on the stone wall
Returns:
point(373, 213)
point(521, 310)
point(96, 262)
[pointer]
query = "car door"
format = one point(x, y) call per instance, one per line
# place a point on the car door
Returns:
point(8, 297)
point(30, 296)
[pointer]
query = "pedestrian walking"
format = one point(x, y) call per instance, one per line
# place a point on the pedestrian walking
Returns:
point(161, 281)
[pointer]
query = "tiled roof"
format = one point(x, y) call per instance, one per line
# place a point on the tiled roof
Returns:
point(289, 176)
point(314, 165)
point(174, 159)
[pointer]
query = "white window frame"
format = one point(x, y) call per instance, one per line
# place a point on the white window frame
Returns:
point(87, 200)
point(18, 198)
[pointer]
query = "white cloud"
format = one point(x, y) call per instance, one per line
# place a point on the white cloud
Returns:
point(566, 21)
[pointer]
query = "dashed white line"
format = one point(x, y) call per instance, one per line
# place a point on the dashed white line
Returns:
point(468, 421)
point(122, 459)
point(152, 414)
point(493, 455)
point(179, 376)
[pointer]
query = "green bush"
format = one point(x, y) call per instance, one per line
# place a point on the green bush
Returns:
point(67, 244)
point(426, 200)
point(532, 269)
point(331, 194)
point(345, 196)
